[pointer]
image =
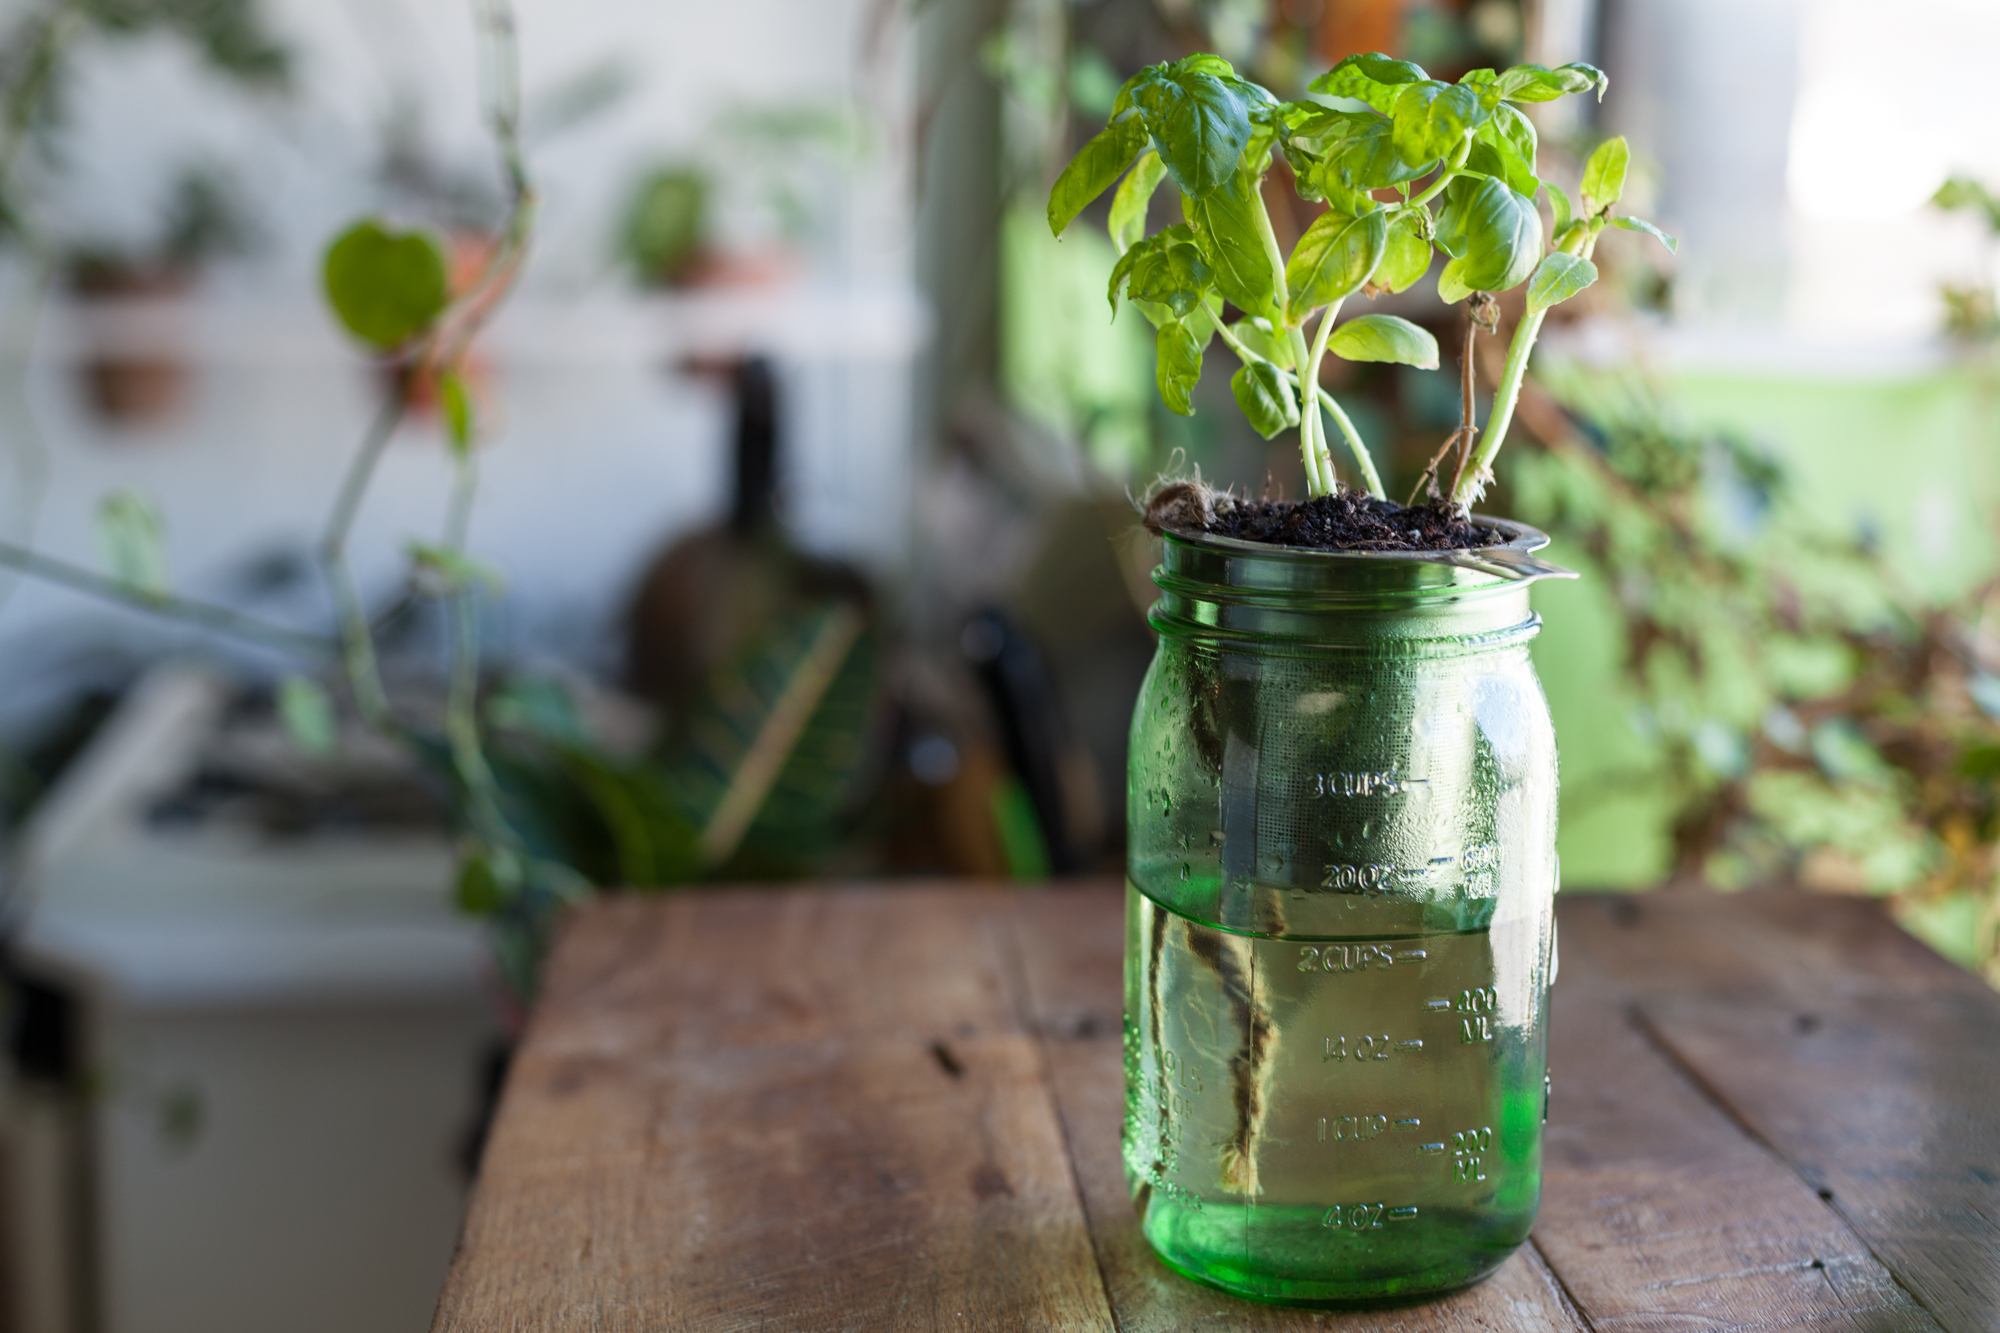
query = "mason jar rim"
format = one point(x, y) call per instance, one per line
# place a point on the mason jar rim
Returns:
point(1229, 590)
point(1520, 538)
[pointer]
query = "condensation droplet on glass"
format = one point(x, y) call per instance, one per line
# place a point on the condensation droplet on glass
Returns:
point(1187, 872)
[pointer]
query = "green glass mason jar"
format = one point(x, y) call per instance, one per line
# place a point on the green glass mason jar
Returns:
point(1339, 924)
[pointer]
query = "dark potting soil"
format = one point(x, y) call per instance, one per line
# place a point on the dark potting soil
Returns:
point(1349, 521)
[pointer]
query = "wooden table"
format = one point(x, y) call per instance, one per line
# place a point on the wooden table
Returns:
point(897, 1109)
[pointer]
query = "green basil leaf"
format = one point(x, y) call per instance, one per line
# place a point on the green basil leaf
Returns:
point(1329, 124)
point(1559, 206)
point(1533, 83)
point(1406, 258)
point(1384, 338)
point(1448, 241)
point(1344, 198)
point(1640, 224)
point(1511, 137)
point(1179, 353)
point(1297, 116)
point(1452, 287)
point(1336, 256)
point(1593, 76)
point(1199, 124)
point(1204, 62)
point(1308, 170)
point(1557, 278)
point(1123, 102)
point(1096, 165)
point(1432, 119)
point(307, 712)
point(1372, 78)
point(386, 287)
point(1135, 194)
point(1500, 233)
point(1604, 175)
point(1265, 398)
point(1366, 159)
point(1484, 159)
point(1175, 275)
point(1258, 336)
point(1231, 237)
point(1122, 270)
point(1204, 320)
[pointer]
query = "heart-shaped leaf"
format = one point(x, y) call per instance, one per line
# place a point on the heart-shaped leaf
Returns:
point(386, 287)
point(1558, 278)
point(1265, 398)
point(1384, 338)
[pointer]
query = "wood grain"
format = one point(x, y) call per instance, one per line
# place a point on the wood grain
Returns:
point(1866, 1062)
point(898, 1109)
point(1658, 1212)
point(777, 1112)
point(639, 975)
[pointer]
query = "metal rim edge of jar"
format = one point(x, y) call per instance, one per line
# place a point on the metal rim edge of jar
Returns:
point(1470, 576)
point(1504, 564)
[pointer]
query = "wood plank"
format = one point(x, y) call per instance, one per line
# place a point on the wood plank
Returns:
point(799, 1111)
point(640, 975)
point(1072, 943)
point(1865, 1061)
point(1762, 945)
point(1890, 1106)
point(1659, 1212)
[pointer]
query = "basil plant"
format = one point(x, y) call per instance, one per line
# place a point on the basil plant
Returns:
point(1405, 164)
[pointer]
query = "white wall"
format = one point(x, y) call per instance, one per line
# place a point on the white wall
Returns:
point(1796, 144)
point(600, 452)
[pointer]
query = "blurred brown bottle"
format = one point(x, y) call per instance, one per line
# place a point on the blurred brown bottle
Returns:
point(711, 594)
